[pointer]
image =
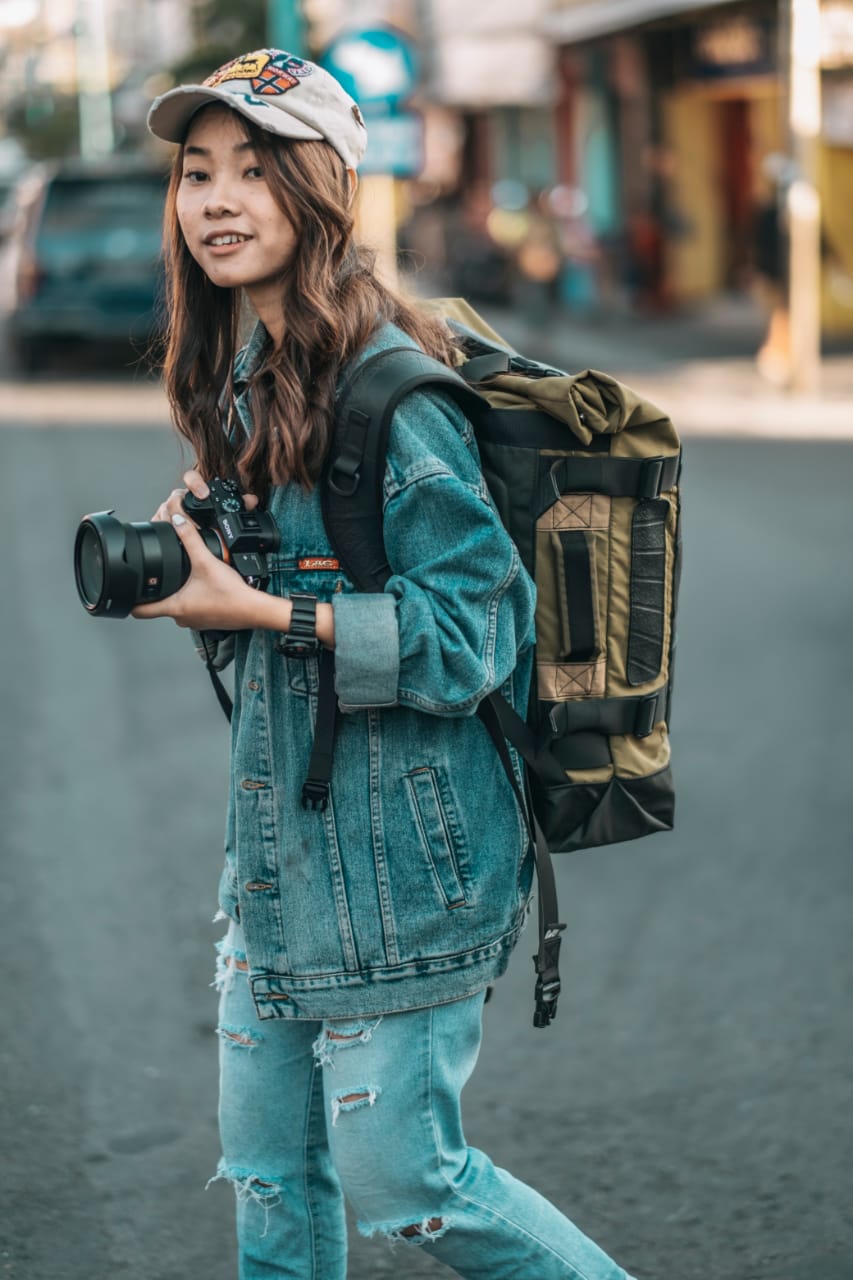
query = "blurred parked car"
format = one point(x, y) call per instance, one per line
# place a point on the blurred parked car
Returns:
point(83, 260)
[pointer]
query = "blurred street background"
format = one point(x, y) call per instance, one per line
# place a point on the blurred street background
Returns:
point(662, 189)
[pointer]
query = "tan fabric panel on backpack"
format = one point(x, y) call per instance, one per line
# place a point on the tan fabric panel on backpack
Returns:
point(463, 313)
point(639, 757)
point(577, 511)
point(564, 681)
point(591, 776)
point(559, 680)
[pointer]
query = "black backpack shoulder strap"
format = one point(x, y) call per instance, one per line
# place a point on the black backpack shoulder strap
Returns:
point(351, 491)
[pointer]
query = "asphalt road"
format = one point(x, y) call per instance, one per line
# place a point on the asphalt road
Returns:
point(691, 1108)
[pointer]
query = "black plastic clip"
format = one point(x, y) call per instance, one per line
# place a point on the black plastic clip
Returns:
point(651, 478)
point(547, 987)
point(315, 795)
point(545, 995)
point(647, 709)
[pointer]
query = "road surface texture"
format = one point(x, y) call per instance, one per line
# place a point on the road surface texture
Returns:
point(691, 1107)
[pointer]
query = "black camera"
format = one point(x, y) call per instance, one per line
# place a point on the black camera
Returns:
point(118, 566)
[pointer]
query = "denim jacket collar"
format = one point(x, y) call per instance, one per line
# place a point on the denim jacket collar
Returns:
point(248, 356)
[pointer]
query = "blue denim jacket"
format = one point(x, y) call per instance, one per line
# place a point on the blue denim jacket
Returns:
point(411, 888)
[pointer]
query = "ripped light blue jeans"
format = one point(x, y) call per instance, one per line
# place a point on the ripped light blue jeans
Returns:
point(368, 1109)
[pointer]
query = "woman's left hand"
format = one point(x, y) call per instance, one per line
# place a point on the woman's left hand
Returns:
point(214, 597)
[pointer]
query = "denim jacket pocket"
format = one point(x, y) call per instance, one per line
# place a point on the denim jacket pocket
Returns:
point(440, 833)
point(302, 676)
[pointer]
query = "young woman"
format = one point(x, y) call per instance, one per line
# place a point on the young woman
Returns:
point(361, 937)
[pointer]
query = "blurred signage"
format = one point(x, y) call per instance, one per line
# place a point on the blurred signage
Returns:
point(494, 70)
point(395, 145)
point(572, 20)
point(837, 126)
point(379, 67)
point(729, 43)
point(490, 53)
point(836, 33)
point(738, 46)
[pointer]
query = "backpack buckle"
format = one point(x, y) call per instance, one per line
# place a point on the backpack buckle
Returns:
point(547, 965)
point(647, 714)
point(651, 478)
point(545, 996)
point(481, 368)
point(315, 795)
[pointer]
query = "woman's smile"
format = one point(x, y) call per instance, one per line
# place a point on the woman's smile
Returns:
point(223, 243)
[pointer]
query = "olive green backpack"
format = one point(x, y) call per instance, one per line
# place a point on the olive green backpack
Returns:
point(584, 474)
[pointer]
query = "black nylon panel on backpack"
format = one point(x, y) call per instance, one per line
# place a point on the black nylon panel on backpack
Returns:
point(648, 591)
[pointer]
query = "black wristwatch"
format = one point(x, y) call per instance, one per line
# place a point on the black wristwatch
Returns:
point(301, 640)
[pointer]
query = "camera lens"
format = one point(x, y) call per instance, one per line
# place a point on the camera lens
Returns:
point(90, 560)
point(118, 566)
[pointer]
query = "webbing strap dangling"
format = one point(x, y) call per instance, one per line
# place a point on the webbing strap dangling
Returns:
point(495, 714)
point(315, 789)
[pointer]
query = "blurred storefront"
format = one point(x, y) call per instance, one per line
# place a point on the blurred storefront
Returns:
point(673, 117)
point(620, 154)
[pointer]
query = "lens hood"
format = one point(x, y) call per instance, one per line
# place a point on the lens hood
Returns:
point(106, 582)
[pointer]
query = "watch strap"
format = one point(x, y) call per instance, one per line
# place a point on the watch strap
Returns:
point(300, 641)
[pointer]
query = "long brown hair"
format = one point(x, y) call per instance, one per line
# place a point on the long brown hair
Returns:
point(333, 301)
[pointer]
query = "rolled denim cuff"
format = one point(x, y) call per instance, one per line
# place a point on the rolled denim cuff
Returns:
point(367, 651)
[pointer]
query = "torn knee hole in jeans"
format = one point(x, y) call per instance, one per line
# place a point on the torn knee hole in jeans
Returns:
point(363, 1096)
point(434, 1227)
point(413, 1233)
point(264, 1192)
point(333, 1039)
point(229, 962)
point(239, 1037)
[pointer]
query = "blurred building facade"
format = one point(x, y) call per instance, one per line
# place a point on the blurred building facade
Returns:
point(682, 120)
point(652, 136)
point(112, 47)
point(615, 152)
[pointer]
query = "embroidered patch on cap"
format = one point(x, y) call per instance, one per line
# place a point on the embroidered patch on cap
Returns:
point(269, 74)
point(318, 562)
point(243, 68)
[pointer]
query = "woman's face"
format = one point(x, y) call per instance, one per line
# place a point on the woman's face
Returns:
point(232, 226)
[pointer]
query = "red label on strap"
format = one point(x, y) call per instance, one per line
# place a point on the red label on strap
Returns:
point(318, 562)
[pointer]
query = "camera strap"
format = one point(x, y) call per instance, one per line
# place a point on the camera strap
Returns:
point(222, 695)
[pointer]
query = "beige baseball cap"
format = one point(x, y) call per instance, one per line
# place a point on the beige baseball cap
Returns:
point(278, 91)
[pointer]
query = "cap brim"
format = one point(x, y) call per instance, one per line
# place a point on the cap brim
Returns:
point(171, 113)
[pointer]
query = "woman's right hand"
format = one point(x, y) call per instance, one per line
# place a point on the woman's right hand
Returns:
point(174, 504)
point(196, 485)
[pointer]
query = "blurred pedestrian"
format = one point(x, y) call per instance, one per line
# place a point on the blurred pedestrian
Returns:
point(539, 260)
point(360, 937)
point(769, 256)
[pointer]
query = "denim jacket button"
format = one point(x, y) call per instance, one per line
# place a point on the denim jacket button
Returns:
point(253, 685)
point(250, 784)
